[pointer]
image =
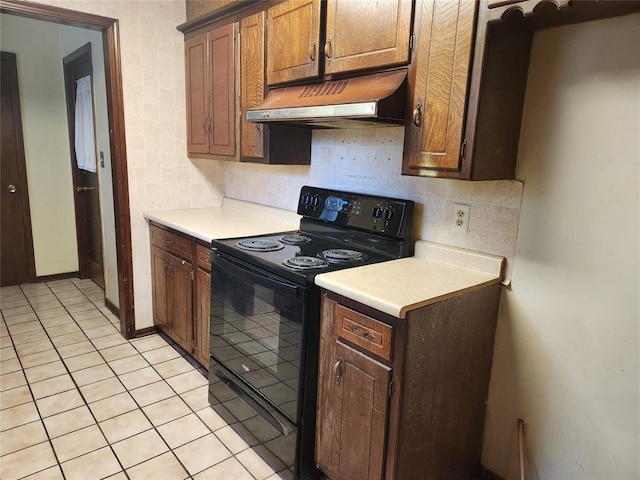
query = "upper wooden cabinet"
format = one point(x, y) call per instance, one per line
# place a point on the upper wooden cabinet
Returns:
point(359, 35)
point(211, 115)
point(264, 143)
point(438, 79)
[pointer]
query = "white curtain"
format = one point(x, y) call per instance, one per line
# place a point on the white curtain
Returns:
point(85, 140)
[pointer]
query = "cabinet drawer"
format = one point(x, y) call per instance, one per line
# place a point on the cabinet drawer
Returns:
point(203, 257)
point(364, 331)
point(171, 242)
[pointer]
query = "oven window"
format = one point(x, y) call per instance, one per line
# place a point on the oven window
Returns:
point(256, 332)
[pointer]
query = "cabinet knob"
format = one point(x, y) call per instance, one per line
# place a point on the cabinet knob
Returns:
point(328, 51)
point(12, 188)
point(312, 52)
point(417, 114)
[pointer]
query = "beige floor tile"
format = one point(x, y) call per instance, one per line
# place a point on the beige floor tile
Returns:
point(152, 393)
point(25, 317)
point(117, 352)
point(43, 372)
point(183, 430)
point(260, 462)
point(198, 398)
point(27, 461)
point(15, 396)
point(92, 374)
point(51, 386)
point(52, 473)
point(202, 453)
point(7, 353)
point(140, 448)
point(124, 426)
point(59, 403)
point(118, 476)
point(187, 381)
point(81, 317)
point(165, 466)
point(139, 378)
point(21, 437)
point(29, 337)
point(46, 305)
point(150, 342)
point(57, 316)
point(112, 406)
point(98, 464)
point(109, 341)
point(211, 418)
point(102, 389)
point(26, 327)
point(63, 329)
point(34, 347)
point(229, 469)
point(283, 475)
point(236, 438)
point(16, 311)
point(69, 421)
point(128, 364)
point(173, 367)
point(86, 360)
point(18, 415)
point(10, 365)
point(12, 380)
point(75, 349)
point(166, 410)
point(68, 339)
point(36, 359)
point(160, 355)
point(78, 443)
point(98, 332)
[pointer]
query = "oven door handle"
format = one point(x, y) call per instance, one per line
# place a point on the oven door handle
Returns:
point(251, 274)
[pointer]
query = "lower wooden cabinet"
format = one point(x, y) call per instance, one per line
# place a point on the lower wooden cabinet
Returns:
point(414, 408)
point(181, 282)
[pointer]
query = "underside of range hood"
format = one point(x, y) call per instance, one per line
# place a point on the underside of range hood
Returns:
point(369, 100)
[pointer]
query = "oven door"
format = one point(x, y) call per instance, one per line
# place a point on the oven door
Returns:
point(257, 336)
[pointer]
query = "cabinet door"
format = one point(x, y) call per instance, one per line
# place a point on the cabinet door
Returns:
point(355, 405)
point(367, 34)
point(160, 290)
point(293, 37)
point(197, 94)
point(202, 313)
point(438, 79)
point(180, 301)
point(252, 84)
point(221, 78)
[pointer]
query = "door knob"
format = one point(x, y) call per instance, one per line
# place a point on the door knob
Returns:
point(12, 188)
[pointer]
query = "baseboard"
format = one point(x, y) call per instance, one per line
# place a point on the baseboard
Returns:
point(112, 307)
point(56, 276)
point(143, 332)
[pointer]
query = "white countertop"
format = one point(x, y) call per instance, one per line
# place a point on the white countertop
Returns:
point(235, 218)
point(435, 273)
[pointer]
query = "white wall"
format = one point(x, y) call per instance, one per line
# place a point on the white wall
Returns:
point(72, 38)
point(566, 358)
point(46, 142)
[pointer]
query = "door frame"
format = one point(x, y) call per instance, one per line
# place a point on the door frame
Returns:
point(115, 108)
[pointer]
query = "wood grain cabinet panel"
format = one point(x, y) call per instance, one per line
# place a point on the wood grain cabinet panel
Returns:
point(367, 34)
point(210, 87)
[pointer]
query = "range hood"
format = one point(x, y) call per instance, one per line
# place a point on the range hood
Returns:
point(369, 100)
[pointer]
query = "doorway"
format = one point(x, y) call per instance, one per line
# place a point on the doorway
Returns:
point(78, 82)
point(113, 73)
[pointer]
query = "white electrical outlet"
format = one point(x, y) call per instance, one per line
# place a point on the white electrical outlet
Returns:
point(461, 217)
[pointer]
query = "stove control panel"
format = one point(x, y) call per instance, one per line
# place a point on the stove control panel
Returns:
point(389, 216)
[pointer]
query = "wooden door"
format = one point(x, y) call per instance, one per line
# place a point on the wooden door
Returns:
point(160, 288)
point(355, 403)
point(180, 300)
point(438, 79)
point(16, 241)
point(77, 65)
point(252, 84)
point(197, 98)
point(221, 77)
point(293, 41)
point(367, 34)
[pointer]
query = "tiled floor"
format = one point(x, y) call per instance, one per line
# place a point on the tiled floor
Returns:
point(78, 401)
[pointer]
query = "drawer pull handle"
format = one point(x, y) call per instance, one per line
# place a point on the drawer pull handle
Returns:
point(168, 241)
point(364, 334)
point(337, 371)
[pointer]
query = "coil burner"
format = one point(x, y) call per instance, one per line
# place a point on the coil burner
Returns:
point(260, 245)
point(341, 255)
point(305, 263)
point(295, 239)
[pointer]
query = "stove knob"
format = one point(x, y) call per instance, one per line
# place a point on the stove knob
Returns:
point(376, 212)
point(389, 213)
point(316, 201)
point(306, 199)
